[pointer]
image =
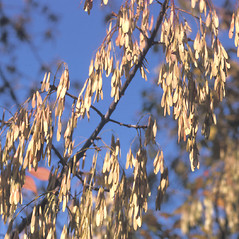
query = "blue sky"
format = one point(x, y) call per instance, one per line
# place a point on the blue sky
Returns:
point(76, 38)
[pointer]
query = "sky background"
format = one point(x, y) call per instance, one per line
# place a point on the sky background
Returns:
point(77, 36)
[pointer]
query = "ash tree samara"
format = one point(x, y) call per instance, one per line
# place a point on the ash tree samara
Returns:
point(91, 184)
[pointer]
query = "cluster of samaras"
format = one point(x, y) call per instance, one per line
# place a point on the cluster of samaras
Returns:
point(192, 76)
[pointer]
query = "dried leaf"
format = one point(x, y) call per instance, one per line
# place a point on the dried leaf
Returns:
point(43, 83)
point(33, 220)
point(105, 2)
point(34, 101)
point(64, 233)
point(162, 188)
point(231, 30)
point(159, 162)
point(41, 173)
point(193, 3)
point(125, 26)
point(30, 184)
point(215, 19)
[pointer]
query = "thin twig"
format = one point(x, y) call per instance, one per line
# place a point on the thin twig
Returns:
point(159, 2)
point(117, 122)
point(106, 118)
point(97, 111)
point(129, 125)
point(26, 221)
point(143, 33)
point(113, 105)
point(62, 160)
point(43, 194)
point(8, 85)
point(158, 43)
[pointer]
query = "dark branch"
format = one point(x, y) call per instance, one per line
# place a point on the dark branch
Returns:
point(158, 43)
point(129, 125)
point(62, 160)
point(143, 33)
point(117, 122)
point(26, 221)
point(113, 105)
point(159, 2)
point(105, 119)
point(97, 111)
point(8, 85)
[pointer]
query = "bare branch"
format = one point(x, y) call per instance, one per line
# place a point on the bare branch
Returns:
point(146, 38)
point(113, 105)
point(104, 119)
point(97, 111)
point(62, 160)
point(129, 125)
point(117, 122)
point(8, 85)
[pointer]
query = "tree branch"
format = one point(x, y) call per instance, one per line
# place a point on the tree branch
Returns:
point(117, 122)
point(8, 85)
point(105, 118)
point(62, 160)
point(26, 221)
point(97, 111)
point(129, 125)
point(113, 105)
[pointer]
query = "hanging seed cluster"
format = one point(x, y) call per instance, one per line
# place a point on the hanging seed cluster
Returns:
point(121, 33)
point(183, 88)
point(194, 74)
